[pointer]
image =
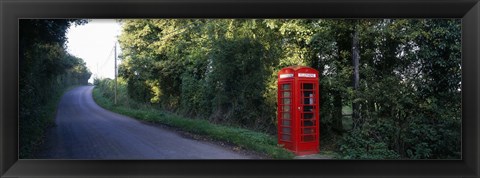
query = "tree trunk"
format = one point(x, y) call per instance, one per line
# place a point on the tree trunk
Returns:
point(356, 106)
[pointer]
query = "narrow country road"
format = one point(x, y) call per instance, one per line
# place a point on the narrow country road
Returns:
point(84, 130)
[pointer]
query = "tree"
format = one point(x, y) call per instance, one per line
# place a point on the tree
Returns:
point(357, 117)
point(45, 70)
point(396, 56)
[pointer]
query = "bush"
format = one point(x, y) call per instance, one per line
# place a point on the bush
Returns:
point(355, 146)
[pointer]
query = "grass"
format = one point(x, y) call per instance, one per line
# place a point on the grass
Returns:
point(256, 141)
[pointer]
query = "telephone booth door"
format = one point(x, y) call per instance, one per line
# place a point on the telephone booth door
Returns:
point(308, 114)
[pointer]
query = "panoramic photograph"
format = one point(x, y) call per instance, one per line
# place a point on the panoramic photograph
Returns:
point(167, 89)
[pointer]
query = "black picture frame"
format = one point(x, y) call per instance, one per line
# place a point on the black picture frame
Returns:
point(11, 11)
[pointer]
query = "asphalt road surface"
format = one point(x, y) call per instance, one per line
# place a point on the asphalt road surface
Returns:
point(84, 130)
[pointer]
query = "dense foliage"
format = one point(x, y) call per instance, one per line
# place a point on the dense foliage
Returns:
point(400, 77)
point(45, 71)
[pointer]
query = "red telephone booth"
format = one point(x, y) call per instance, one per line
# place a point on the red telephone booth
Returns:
point(298, 110)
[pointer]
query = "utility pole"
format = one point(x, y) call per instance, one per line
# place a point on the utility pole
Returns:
point(115, 53)
point(96, 75)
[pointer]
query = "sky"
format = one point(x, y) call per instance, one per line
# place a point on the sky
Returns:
point(94, 43)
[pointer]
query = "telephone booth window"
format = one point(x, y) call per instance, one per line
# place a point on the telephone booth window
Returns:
point(308, 86)
point(286, 105)
point(286, 129)
point(308, 138)
point(286, 119)
point(308, 131)
point(308, 108)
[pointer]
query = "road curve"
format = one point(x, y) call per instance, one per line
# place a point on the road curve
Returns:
point(84, 130)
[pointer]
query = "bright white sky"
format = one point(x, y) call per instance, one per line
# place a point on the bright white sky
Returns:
point(94, 43)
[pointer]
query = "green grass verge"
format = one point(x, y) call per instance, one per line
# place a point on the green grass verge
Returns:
point(256, 141)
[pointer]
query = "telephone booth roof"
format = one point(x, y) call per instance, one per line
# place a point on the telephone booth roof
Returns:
point(297, 71)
